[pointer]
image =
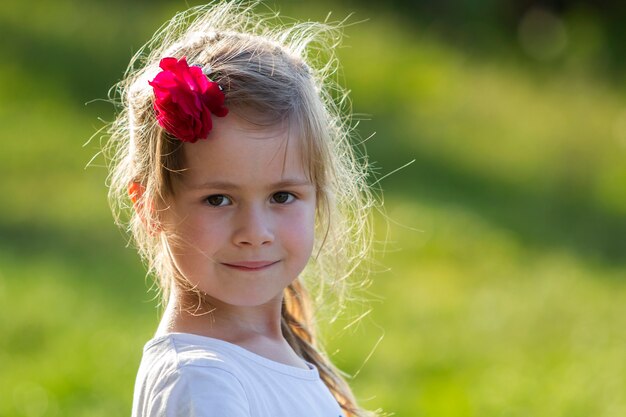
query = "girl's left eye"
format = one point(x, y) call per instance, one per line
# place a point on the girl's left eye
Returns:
point(283, 197)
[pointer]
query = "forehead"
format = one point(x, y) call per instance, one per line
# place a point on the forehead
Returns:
point(242, 153)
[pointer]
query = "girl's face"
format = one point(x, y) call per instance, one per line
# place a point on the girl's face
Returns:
point(241, 221)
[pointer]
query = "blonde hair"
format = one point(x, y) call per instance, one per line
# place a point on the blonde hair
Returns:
point(269, 74)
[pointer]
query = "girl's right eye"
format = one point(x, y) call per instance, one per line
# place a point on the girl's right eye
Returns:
point(217, 200)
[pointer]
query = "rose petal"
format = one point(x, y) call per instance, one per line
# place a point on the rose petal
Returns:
point(185, 99)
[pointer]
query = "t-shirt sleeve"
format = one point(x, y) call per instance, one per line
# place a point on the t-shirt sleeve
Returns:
point(196, 391)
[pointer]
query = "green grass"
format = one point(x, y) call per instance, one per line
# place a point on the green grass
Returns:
point(481, 325)
point(501, 289)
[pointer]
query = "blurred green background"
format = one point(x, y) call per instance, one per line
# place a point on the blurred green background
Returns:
point(501, 289)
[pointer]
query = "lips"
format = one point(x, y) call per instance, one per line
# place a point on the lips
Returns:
point(250, 265)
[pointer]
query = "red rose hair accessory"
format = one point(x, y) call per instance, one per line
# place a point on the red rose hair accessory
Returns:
point(184, 100)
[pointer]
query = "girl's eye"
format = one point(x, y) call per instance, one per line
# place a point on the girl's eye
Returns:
point(283, 197)
point(217, 200)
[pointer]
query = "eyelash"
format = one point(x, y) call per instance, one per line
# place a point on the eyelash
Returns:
point(290, 197)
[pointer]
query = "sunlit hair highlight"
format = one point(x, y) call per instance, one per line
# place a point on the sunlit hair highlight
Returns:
point(270, 73)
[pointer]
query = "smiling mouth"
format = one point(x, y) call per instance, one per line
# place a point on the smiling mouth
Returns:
point(251, 266)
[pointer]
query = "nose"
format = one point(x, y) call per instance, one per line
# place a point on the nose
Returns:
point(252, 227)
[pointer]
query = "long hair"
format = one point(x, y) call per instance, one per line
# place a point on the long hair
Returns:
point(269, 73)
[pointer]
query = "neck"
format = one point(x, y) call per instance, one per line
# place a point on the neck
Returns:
point(206, 316)
point(256, 328)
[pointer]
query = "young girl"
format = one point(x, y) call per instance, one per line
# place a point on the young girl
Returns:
point(232, 152)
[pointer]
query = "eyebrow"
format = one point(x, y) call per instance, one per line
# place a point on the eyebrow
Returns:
point(225, 185)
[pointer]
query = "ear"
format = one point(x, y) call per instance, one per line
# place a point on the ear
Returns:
point(136, 191)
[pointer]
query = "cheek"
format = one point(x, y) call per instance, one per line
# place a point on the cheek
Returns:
point(194, 244)
point(194, 236)
point(298, 232)
point(193, 223)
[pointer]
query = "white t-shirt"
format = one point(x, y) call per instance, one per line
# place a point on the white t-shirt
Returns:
point(186, 375)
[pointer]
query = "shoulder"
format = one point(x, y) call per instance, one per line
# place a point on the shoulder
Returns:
point(179, 379)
